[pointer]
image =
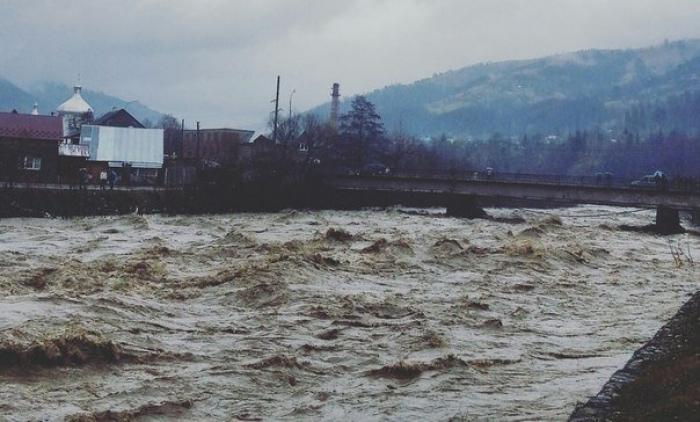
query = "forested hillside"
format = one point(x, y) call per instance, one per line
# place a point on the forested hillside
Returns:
point(626, 112)
point(643, 90)
point(623, 112)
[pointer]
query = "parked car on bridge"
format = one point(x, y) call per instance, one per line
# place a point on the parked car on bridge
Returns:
point(374, 169)
point(656, 180)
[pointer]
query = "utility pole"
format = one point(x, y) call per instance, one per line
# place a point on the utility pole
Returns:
point(277, 109)
point(197, 152)
point(182, 139)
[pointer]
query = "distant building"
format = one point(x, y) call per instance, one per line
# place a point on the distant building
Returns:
point(74, 112)
point(138, 152)
point(258, 158)
point(118, 118)
point(28, 147)
point(214, 148)
point(302, 144)
point(74, 153)
point(262, 157)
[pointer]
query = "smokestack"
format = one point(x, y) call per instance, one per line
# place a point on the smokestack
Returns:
point(335, 102)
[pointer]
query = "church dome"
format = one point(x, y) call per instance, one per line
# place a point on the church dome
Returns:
point(75, 104)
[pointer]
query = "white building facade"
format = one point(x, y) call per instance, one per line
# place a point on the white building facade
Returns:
point(75, 112)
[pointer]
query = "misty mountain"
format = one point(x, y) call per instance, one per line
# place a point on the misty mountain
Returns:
point(559, 94)
point(11, 96)
point(50, 95)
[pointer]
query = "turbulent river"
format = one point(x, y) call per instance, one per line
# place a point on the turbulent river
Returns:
point(375, 315)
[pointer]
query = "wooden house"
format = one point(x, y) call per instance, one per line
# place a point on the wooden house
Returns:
point(118, 118)
point(29, 147)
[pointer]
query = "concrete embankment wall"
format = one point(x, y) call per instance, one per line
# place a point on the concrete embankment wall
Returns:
point(27, 202)
point(661, 382)
point(46, 202)
point(43, 202)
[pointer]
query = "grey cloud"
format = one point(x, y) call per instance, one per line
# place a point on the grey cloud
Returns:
point(217, 60)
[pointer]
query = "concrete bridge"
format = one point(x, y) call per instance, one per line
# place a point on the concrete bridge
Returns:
point(462, 193)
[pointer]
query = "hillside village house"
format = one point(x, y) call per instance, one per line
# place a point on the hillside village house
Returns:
point(118, 141)
point(263, 156)
point(115, 140)
point(135, 153)
point(35, 148)
point(205, 155)
point(28, 144)
point(214, 148)
point(259, 157)
point(54, 148)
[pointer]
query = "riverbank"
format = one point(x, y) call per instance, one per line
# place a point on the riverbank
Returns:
point(660, 382)
point(70, 201)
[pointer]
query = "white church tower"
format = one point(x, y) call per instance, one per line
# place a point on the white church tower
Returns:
point(74, 113)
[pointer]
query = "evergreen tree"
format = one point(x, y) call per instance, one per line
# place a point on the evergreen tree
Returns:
point(362, 133)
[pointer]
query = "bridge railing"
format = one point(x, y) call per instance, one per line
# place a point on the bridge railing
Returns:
point(498, 177)
point(596, 181)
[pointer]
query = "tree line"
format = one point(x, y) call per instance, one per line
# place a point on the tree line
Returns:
point(360, 138)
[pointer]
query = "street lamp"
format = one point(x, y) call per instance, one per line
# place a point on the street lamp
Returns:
point(290, 104)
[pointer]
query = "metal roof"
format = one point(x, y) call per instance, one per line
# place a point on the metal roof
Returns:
point(29, 126)
point(118, 117)
point(142, 148)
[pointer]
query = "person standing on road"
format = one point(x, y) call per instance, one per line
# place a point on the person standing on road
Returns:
point(103, 179)
point(112, 176)
point(82, 178)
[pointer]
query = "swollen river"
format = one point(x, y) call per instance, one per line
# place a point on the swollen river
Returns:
point(375, 315)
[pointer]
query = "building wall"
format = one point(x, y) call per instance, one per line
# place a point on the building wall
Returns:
point(28, 160)
point(142, 148)
point(214, 147)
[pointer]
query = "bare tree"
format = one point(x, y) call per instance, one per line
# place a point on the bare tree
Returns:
point(172, 135)
point(320, 138)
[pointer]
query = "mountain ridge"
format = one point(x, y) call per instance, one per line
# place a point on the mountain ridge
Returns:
point(49, 95)
point(560, 93)
point(557, 94)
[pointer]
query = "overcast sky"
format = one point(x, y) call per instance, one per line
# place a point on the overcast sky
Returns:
point(217, 61)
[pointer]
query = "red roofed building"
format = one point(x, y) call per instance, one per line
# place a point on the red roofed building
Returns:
point(29, 147)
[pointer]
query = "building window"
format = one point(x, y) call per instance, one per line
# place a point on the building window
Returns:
point(303, 147)
point(31, 163)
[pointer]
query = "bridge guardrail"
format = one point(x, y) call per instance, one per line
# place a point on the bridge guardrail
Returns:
point(597, 181)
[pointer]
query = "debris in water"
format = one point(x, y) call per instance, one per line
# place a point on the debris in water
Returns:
point(339, 235)
point(401, 370)
point(493, 323)
point(77, 348)
point(375, 247)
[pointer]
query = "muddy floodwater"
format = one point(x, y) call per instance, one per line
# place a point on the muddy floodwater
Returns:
point(374, 315)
